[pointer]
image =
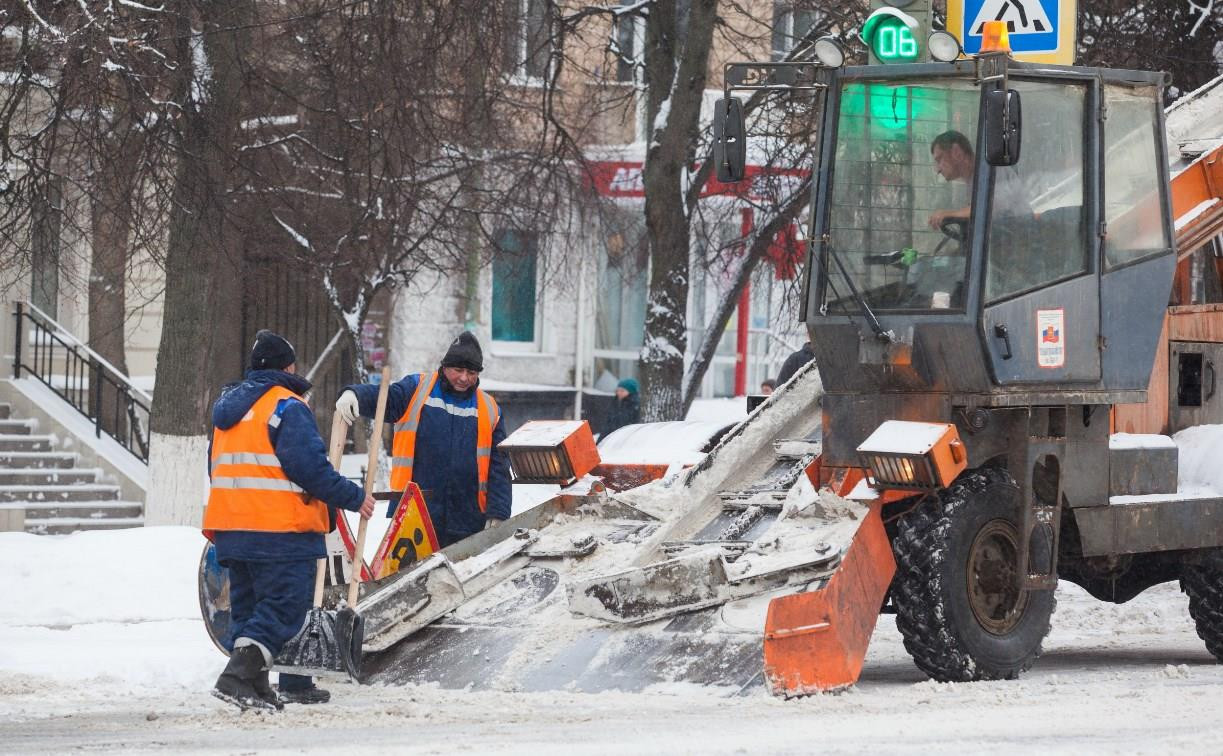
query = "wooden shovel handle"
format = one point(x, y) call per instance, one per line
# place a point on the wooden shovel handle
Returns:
point(335, 453)
point(371, 471)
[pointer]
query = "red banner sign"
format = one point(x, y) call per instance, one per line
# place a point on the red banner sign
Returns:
point(761, 184)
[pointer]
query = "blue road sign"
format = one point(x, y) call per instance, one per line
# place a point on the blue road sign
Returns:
point(1033, 24)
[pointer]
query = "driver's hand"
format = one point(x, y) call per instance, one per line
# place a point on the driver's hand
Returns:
point(937, 217)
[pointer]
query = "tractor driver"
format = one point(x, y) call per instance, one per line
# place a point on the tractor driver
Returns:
point(954, 160)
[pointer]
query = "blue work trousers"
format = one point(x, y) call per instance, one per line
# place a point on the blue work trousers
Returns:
point(269, 600)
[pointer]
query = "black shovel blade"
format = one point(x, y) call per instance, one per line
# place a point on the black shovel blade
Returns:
point(350, 635)
point(316, 647)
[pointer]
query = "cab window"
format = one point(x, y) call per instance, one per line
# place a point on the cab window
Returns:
point(1133, 212)
point(1037, 232)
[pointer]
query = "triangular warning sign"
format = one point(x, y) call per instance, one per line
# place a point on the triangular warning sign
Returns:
point(1021, 16)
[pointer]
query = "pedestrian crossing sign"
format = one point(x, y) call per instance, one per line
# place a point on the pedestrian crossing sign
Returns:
point(1041, 31)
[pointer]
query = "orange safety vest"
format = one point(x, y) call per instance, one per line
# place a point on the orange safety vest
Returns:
point(403, 448)
point(250, 490)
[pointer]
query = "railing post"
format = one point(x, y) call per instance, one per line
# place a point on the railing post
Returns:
point(17, 344)
point(95, 395)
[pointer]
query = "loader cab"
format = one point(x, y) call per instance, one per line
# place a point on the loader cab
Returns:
point(990, 238)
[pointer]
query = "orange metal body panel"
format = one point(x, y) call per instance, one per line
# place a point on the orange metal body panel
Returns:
point(817, 641)
point(581, 450)
point(943, 455)
point(1185, 323)
point(621, 477)
point(1201, 182)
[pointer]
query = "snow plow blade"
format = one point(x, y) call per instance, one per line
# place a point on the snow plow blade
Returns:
point(817, 641)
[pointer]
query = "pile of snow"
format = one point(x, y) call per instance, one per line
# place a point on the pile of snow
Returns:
point(680, 442)
point(726, 410)
point(1199, 468)
point(120, 605)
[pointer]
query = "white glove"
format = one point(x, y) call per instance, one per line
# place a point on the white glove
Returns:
point(492, 522)
point(348, 407)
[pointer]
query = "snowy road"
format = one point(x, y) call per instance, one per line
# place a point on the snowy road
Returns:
point(1130, 678)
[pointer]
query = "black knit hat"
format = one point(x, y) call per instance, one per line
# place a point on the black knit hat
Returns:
point(271, 351)
point(464, 352)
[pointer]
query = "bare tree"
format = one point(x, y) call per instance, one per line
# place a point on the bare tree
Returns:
point(1181, 37)
point(396, 143)
point(673, 66)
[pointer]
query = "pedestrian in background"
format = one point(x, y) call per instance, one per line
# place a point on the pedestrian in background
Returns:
point(626, 408)
point(794, 363)
point(767, 386)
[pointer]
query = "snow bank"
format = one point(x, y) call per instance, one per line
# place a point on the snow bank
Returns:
point(726, 410)
point(134, 575)
point(1199, 464)
point(659, 443)
point(116, 607)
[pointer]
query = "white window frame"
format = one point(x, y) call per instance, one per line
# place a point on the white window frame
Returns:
point(520, 77)
point(535, 345)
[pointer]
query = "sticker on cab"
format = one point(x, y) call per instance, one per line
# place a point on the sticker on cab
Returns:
point(1051, 338)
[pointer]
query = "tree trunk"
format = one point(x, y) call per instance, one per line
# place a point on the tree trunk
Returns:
point(199, 333)
point(110, 217)
point(757, 247)
point(677, 79)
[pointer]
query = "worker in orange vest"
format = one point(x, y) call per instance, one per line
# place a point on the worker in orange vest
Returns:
point(446, 434)
point(267, 513)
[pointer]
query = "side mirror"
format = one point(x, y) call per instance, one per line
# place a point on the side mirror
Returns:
point(1003, 124)
point(729, 140)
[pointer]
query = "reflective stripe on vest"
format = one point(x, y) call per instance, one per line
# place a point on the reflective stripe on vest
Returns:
point(403, 448)
point(250, 490)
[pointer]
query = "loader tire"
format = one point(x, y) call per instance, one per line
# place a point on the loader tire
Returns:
point(1204, 587)
point(957, 607)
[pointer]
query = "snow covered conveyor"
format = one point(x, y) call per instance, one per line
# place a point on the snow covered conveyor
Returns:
point(732, 574)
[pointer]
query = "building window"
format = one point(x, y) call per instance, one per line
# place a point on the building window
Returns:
point(620, 317)
point(528, 43)
point(514, 292)
point(790, 24)
point(46, 220)
point(628, 32)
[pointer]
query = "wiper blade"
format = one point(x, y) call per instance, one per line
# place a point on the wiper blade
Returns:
point(871, 320)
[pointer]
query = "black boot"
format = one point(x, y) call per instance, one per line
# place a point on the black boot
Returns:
point(312, 695)
point(264, 689)
point(236, 685)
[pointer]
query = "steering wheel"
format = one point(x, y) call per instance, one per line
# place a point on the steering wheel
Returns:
point(954, 228)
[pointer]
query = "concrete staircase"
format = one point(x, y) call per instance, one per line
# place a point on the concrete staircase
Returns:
point(55, 494)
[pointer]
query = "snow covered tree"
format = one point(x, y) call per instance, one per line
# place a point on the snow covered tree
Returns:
point(1182, 37)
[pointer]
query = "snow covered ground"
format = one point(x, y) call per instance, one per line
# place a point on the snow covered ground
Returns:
point(102, 648)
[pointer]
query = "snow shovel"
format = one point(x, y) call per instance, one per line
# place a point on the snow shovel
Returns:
point(350, 626)
point(319, 648)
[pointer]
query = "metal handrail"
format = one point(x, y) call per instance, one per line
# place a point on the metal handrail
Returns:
point(90, 383)
point(78, 344)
